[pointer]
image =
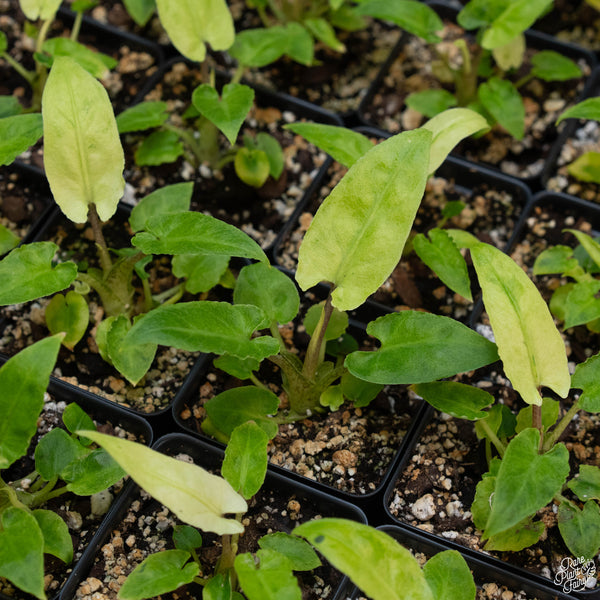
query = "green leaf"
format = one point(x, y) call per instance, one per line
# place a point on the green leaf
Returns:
point(338, 322)
point(449, 576)
point(500, 420)
point(170, 199)
point(158, 148)
point(205, 326)
point(580, 528)
point(587, 109)
point(299, 44)
point(17, 134)
point(480, 13)
point(299, 553)
point(95, 63)
point(245, 463)
point(144, 115)
point(510, 56)
point(237, 367)
point(518, 537)
point(526, 481)
point(590, 245)
point(27, 273)
point(140, 10)
point(192, 25)
point(83, 157)
point(550, 412)
point(9, 105)
point(457, 399)
point(195, 233)
point(267, 577)
point(202, 272)
point(8, 240)
point(55, 451)
point(324, 32)
point(24, 379)
point(530, 346)
point(158, 574)
point(431, 102)
point(258, 47)
point(272, 148)
point(39, 9)
point(587, 485)
point(74, 418)
point(94, 473)
point(342, 144)
point(373, 208)
point(359, 392)
point(552, 66)
point(271, 290)
point(443, 257)
point(581, 304)
point(481, 506)
point(587, 379)
point(586, 167)
point(237, 406)
point(197, 497)
point(415, 17)
point(229, 112)
point(503, 101)
point(218, 587)
point(557, 259)
point(418, 347)
point(57, 539)
point(332, 397)
point(252, 166)
point(374, 561)
point(21, 551)
point(186, 538)
point(131, 360)
point(69, 314)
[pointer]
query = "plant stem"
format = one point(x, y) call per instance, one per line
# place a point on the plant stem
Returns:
point(316, 347)
point(524, 80)
point(166, 296)
point(274, 329)
point(536, 422)
point(147, 295)
point(257, 382)
point(29, 76)
point(76, 25)
point(493, 438)
point(553, 435)
point(104, 256)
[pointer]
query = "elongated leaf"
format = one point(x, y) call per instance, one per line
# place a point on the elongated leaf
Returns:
point(456, 399)
point(324, 32)
point(526, 481)
point(216, 327)
point(158, 574)
point(197, 497)
point(518, 537)
point(581, 304)
point(24, 379)
point(591, 246)
point(298, 552)
point(27, 273)
point(144, 115)
point(57, 539)
point(22, 551)
point(158, 148)
point(530, 346)
point(191, 25)
point(170, 199)
point(374, 561)
point(557, 259)
point(39, 9)
point(431, 102)
point(342, 144)
point(369, 214)
point(260, 46)
point(503, 101)
point(17, 134)
point(552, 66)
point(95, 63)
point(587, 109)
point(195, 233)
point(449, 576)
point(580, 528)
point(418, 347)
point(83, 157)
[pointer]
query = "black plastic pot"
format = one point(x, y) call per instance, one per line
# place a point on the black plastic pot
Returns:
point(102, 411)
point(210, 458)
point(536, 41)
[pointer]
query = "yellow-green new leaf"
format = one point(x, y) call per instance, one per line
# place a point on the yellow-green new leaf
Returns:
point(196, 496)
point(529, 344)
point(83, 156)
point(39, 9)
point(191, 24)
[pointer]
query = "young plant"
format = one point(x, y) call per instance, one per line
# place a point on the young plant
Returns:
point(64, 463)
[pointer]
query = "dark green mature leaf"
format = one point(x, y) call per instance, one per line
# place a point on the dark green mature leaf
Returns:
point(24, 379)
point(431, 102)
point(217, 327)
point(75, 418)
point(269, 577)
point(186, 538)
point(587, 379)
point(8, 240)
point(229, 112)
point(500, 420)
point(480, 13)
point(358, 391)
point(259, 47)
point(140, 10)
point(236, 406)
point(503, 101)
point(415, 17)
point(419, 347)
point(581, 304)
point(17, 134)
point(158, 574)
point(449, 576)
point(342, 144)
point(373, 560)
point(299, 552)
point(144, 115)
point(557, 259)
point(240, 368)
point(95, 63)
point(202, 272)
point(9, 105)
point(94, 473)
point(271, 290)
point(443, 257)
point(22, 551)
point(552, 66)
point(57, 539)
point(158, 148)
point(519, 536)
point(246, 459)
point(580, 528)
point(167, 200)
point(456, 399)
point(526, 481)
point(55, 451)
point(587, 109)
point(587, 485)
point(195, 233)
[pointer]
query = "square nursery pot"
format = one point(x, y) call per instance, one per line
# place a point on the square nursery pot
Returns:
point(577, 137)
point(349, 453)
point(260, 212)
point(493, 204)
point(83, 524)
point(384, 104)
point(280, 505)
point(172, 372)
point(493, 581)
